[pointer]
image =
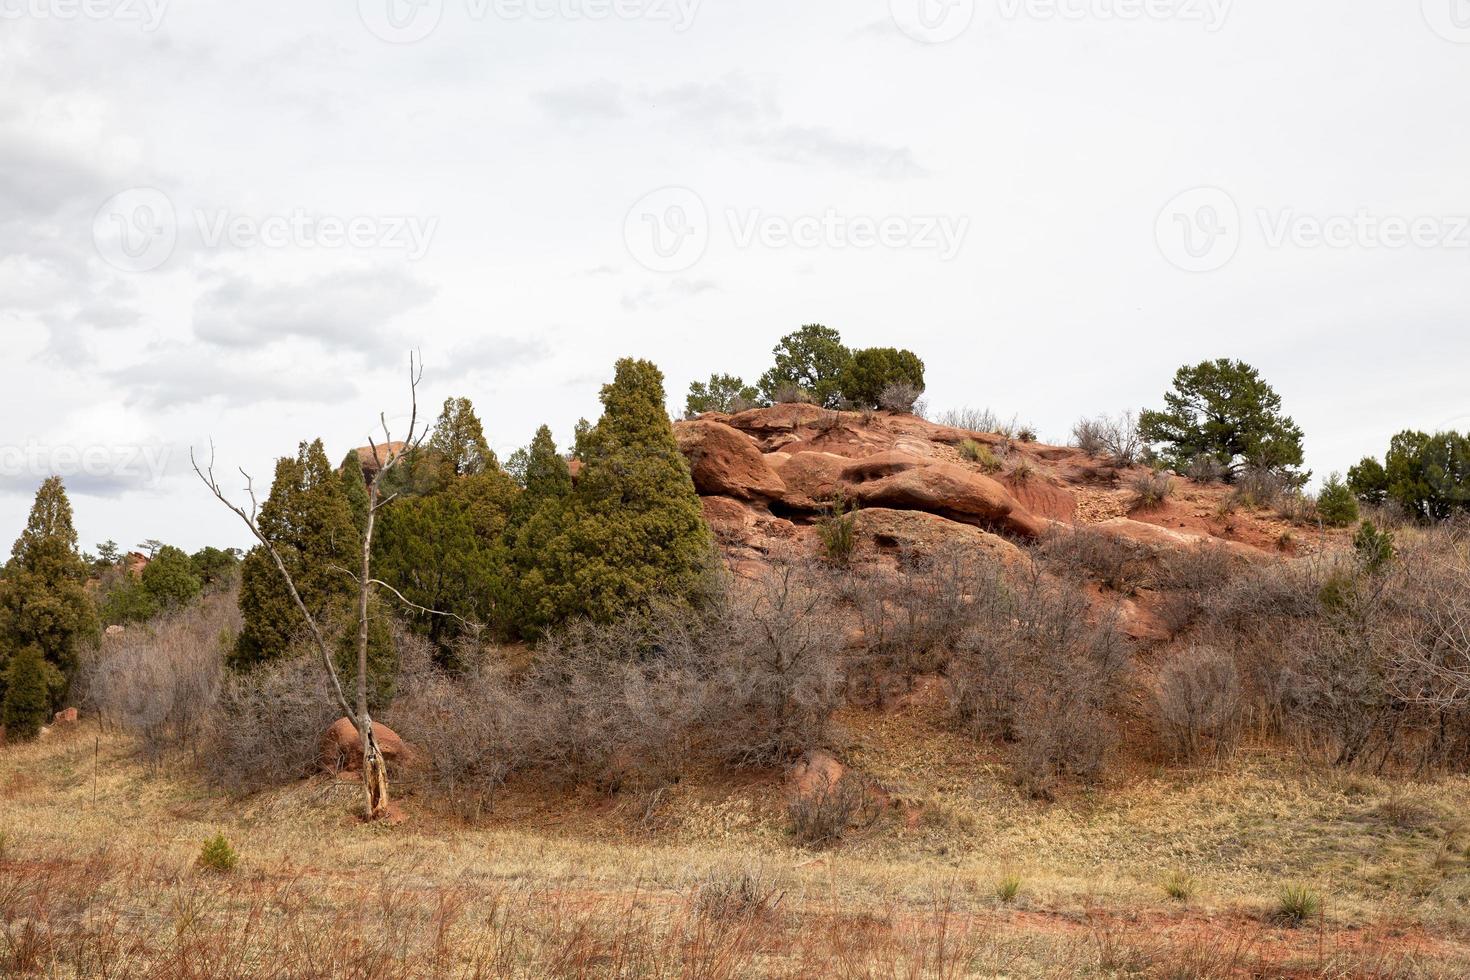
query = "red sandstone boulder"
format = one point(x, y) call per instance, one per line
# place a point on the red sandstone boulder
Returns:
point(342, 746)
point(726, 462)
point(815, 775)
point(927, 534)
point(952, 491)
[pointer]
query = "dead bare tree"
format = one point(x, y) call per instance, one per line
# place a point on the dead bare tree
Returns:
point(374, 770)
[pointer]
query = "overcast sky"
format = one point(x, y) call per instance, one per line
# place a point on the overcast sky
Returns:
point(233, 221)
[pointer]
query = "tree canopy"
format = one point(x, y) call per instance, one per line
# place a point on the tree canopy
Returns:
point(1225, 411)
point(810, 360)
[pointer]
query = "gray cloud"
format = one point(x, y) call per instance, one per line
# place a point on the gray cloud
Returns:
point(346, 310)
point(179, 375)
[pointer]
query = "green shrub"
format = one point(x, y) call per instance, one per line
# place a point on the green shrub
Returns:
point(1296, 904)
point(1007, 889)
point(809, 367)
point(874, 370)
point(27, 698)
point(1336, 505)
point(218, 855)
point(1179, 886)
point(722, 393)
point(838, 531)
point(980, 454)
point(1151, 490)
point(1374, 548)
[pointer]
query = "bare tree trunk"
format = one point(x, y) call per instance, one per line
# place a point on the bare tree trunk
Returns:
point(374, 769)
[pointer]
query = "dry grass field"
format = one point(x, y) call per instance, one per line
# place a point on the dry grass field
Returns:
point(1158, 874)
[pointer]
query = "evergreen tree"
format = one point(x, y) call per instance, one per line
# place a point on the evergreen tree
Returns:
point(216, 567)
point(1428, 475)
point(812, 359)
point(459, 440)
point(43, 597)
point(27, 699)
point(872, 370)
point(631, 530)
point(170, 578)
point(722, 393)
point(1224, 410)
point(1336, 504)
point(1369, 481)
point(308, 519)
point(448, 552)
point(539, 517)
point(127, 601)
point(354, 485)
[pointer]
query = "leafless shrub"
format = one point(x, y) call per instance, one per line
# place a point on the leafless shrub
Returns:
point(268, 725)
point(982, 420)
point(1116, 438)
point(777, 675)
point(900, 397)
point(1198, 703)
point(1037, 669)
point(820, 818)
point(1083, 553)
point(1087, 435)
point(1189, 578)
point(750, 680)
point(735, 895)
point(912, 616)
point(1205, 469)
point(160, 680)
point(1151, 489)
point(790, 393)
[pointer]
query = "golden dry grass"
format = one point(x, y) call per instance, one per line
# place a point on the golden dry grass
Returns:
point(98, 875)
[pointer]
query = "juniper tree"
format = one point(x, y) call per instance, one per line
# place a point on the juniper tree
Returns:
point(812, 360)
point(43, 597)
point(722, 393)
point(447, 552)
point(539, 518)
point(170, 579)
point(874, 369)
point(1226, 411)
point(309, 521)
point(459, 440)
point(354, 486)
point(631, 531)
point(27, 698)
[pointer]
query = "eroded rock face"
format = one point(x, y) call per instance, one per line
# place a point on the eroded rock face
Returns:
point(725, 462)
point(1156, 540)
point(342, 746)
point(924, 534)
point(953, 491)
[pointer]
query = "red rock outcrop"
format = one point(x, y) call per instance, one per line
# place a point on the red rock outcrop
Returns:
point(726, 462)
point(342, 746)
